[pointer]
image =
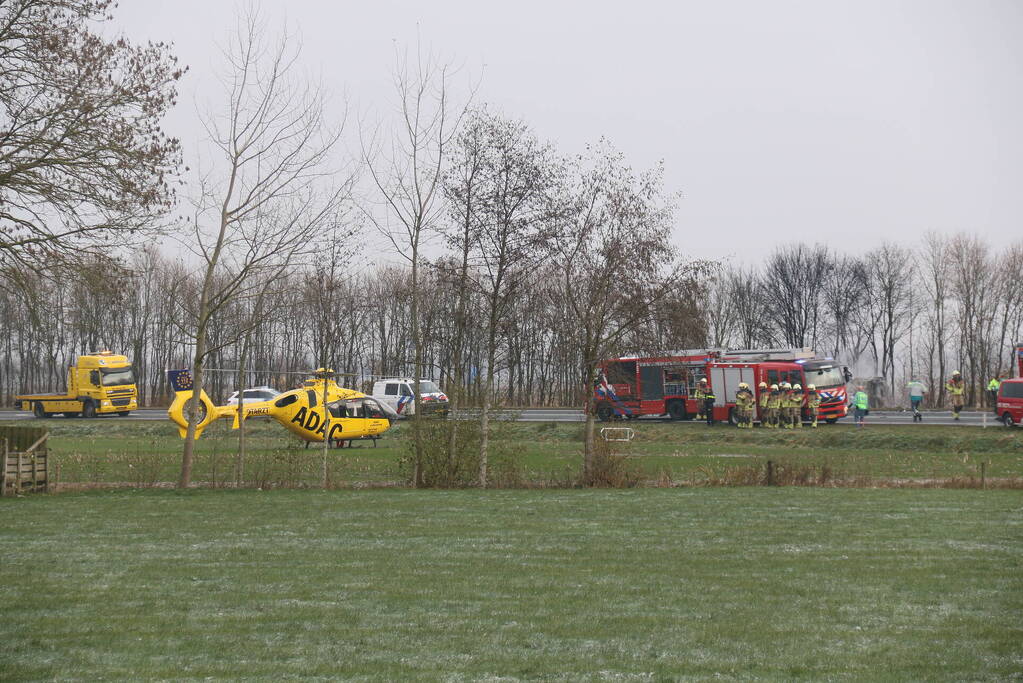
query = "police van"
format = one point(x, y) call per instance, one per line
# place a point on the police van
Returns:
point(397, 393)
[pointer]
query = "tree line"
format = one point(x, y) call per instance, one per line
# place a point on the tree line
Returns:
point(952, 302)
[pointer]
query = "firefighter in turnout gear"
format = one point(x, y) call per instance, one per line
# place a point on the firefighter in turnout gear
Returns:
point(744, 407)
point(765, 393)
point(796, 406)
point(813, 404)
point(708, 404)
point(955, 390)
point(700, 395)
point(784, 408)
point(773, 406)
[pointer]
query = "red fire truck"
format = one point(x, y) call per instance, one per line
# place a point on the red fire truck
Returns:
point(630, 387)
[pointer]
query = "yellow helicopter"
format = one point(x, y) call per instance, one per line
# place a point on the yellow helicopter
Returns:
point(319, 409)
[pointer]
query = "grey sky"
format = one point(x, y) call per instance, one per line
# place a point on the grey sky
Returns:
point(840, 122)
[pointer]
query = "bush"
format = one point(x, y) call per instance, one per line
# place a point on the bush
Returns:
point(611, 469)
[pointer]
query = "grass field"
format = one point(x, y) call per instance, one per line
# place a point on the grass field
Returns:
point(642, 584)
point(145, 453)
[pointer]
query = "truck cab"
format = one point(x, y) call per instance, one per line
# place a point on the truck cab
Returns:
point(396, 393)
point(1010, 401)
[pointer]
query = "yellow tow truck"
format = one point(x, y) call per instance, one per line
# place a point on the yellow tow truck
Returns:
point(100, 383)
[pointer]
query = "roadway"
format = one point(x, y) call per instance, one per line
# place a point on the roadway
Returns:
point(877, 417)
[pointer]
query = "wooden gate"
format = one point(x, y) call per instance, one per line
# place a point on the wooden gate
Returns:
point(24, 459)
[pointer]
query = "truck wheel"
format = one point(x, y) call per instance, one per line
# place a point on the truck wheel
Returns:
point(38, 411)
point(677, 410)
point(1007, 420)
point(831, 420)
point(605, 412)
point(732, 420)
point(124, 413)
point(88, 410)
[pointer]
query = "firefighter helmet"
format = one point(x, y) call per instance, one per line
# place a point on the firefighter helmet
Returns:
point(763, 385)
point(774, 387)
point(703, 380)
point(797, 387)
point(786, 385)
point(743, 385)
point(811, 387)
point(955, 374)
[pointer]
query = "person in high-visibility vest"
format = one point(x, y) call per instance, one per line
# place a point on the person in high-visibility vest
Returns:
point(743, 407)
point(813, 404)
point(765, 394)
point(773, 406)
point(955, 390)
point(861, 404)
point(797, 406)
point(700, 394)
point(992, 390)
point(786, 406)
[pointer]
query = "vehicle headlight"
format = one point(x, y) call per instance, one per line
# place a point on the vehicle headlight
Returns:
point(106, 403)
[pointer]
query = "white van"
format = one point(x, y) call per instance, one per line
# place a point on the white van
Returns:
point(396, 392)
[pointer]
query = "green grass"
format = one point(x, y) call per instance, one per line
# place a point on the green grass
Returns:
point(649, 584)
point(132, 452)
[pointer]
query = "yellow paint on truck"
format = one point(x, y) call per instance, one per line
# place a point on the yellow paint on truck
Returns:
point(99, 383)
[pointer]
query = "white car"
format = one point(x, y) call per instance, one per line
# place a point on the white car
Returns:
point(253, 395)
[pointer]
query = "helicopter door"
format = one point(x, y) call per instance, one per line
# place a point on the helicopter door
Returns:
point(353, 418)
point(376, 416)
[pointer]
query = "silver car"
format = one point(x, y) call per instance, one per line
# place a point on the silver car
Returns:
point(253, 395)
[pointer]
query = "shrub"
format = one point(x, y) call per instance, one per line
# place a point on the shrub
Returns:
point(611, 469)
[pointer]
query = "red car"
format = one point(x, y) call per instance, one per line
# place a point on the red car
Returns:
point(1010, 401)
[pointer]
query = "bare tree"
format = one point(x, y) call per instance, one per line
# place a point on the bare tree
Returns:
point(615, 262)
point(1009, 295)
point(934, 280)
point(793, 278)
point(891, 276)
point(510, 231)
point(271, 190)
point(463, 190)
point(970, 278)
point(82, 155)
point(720, 312)
point(843, 293)
point(746, 299)
point(408, 174)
